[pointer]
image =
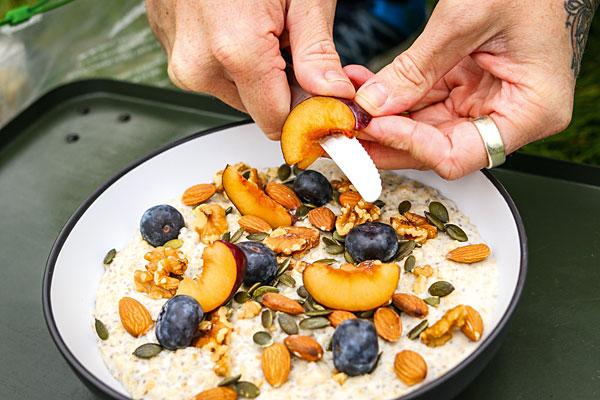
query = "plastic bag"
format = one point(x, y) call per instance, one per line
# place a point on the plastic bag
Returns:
point(83, 39)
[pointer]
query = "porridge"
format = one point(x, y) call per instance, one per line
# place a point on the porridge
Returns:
point(268, 288)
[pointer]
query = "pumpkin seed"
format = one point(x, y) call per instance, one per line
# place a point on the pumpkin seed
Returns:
point(301, 212)
point(334, 249)
point(318, 313)
point(230, 380)
point(366, 314)
point(314, 323)
point(254, 287)
point(409, 263)
point(258, 237)
point(456, 233)
point(435, 221)
point(241, 297)
point(379, 203)
point(416, 331)
point(287, 324)
point(336, 196)
point(433, 301)
point(101, 330)
point(287, 280)
point(147, 350)
point(228, 210)
point(266, 318)
point(441, 289)
point(290, 183)
point(404, 206)
point(285, 264)
point(329, 242)
point(273, 283)
point(296, 169)
point(109, 257)
point(174, 243)
point(311, 206)
point(348, 257)
point(237, 235)
point(247, 389)
point(313, 305)
point(330, 345)
point(302, 292)
point(262, 338)
point(405, 249)
point(325, 261)
point(226, 237)
point(438, 210)
point(338, 237)
point(261, 290)
point(284, 172)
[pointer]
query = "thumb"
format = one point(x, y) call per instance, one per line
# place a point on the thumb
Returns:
point(316, 63)
point(439, 48)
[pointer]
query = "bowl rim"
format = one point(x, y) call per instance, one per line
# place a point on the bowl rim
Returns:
point(100, 385)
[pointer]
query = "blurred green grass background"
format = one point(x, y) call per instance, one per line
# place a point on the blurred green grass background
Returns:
point(580, 142)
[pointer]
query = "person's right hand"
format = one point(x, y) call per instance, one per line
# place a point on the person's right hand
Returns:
point(231, 49)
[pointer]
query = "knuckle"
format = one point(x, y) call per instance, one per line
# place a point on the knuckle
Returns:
point(563, 118)
point(228, 53)
point(406, 69)
point(320, 50)
point(188, 72)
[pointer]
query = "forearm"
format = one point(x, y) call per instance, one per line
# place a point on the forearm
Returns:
point(579, 19)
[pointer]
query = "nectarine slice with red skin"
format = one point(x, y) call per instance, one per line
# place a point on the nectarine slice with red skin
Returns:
point(314, 118)
point(249, 199)
point(223, 270)
point(367, 286)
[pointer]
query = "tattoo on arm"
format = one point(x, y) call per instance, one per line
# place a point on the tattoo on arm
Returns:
point(579, 18)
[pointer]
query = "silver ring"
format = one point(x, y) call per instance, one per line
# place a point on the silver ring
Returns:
point(492, 140)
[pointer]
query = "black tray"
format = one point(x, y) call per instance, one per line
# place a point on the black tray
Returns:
point(551, 350)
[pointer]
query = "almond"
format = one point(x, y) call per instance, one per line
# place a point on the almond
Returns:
point(469, 254)
point(134, 316)
point(410, 367)
point(473, 326)
point(349, 198)
point(304, 347)
point(218, 393)
point(322, 218)
point(276, 364)
point(253, 224)
point(387, 324)
point(339, 316)
point(410, 304)
point(279, 302)
point(283, 195)
point(198, 194)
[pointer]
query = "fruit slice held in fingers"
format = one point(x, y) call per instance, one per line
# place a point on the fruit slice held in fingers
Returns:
point(352, 288)
point(313, 119)
point(223, 270)
point(249, 199)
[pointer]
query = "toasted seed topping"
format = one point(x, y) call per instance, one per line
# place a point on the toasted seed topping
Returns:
point(101, 330)
point(438, 210)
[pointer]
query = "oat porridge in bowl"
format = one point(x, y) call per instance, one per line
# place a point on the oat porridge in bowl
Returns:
point(266, 281)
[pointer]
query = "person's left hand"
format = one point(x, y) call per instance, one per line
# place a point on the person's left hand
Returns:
point(498, 58)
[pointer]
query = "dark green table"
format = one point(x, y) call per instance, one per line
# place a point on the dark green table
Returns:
point(69, 142)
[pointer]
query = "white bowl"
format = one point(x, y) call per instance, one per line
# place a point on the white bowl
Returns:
point(108, 217)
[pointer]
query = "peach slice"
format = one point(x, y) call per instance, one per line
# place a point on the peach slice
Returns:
point(352, 288)
point(223, 270)
point(315, 118)
point(249, 199)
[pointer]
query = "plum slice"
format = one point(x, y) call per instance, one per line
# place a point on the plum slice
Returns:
point(314, 118)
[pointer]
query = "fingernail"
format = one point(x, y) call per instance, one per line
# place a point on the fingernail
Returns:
point(336, 76)
point(374, 95)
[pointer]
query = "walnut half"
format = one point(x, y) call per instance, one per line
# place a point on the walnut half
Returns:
point(353, 215)
point(413, 226)
point(292, 239)
point(158, 280)
point(210, 222)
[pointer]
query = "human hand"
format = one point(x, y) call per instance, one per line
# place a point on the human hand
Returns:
point(508, 59)
point(230, 49)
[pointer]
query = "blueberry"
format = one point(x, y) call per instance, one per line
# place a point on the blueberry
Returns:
point(355, 347)
point(261, 264)
point(312, 187)
point(372, 241)
point(160, 224)
point(177, 323)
